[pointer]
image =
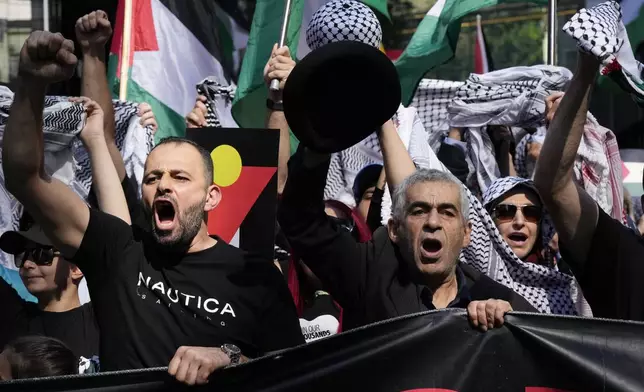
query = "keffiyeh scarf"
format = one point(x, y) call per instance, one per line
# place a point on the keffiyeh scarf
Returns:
point(511, 267)
point(343, 20)
point(431, 100)
point(65, 157)
point(597, 167)
point(601, 32)
point(513, 97)
point(346, 164)
point(546, 289)
point(502, 186)
point(219, 103)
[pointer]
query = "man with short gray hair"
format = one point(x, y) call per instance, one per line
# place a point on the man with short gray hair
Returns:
point(409, 266)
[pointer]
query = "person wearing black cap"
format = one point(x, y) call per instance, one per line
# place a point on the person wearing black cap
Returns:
point(54, 281)
point(52, 278)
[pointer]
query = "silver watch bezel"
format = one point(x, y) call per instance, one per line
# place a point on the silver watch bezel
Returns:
point(233, 352)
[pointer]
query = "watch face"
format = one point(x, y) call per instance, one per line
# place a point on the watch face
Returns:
point(231, 348)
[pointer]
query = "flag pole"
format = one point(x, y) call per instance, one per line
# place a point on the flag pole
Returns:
point(125, 49)
point(552, 32)
point(275, 84)
point(45, 15)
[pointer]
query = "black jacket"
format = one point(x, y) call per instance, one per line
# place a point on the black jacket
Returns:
point(369, 280)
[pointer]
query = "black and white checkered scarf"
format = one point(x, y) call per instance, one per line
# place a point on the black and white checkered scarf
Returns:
point(600, 31)
point(513, 97)
point(550, 288)
point(65, 157)
point(219, 103)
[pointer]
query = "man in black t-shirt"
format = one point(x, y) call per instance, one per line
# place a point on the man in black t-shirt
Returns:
point(54, 281)
point(605, 256)
point(164, 293)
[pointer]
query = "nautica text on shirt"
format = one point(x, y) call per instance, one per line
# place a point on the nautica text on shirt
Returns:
point(210, 305)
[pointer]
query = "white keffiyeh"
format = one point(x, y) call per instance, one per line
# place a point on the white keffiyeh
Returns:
point(601, 32)
point(597, 167)
point(65, 157)
point(345, 165)
point(431, 100)
point(547, 289)
point(513, 97)
point(514, 267)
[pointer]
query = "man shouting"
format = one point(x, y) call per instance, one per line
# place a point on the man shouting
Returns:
point(163, 292)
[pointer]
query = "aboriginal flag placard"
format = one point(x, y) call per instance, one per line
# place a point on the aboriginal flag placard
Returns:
point(245, 169)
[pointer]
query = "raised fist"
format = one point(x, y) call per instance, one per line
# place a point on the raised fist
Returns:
point(93, 128)
point(47, 57)
point(93, 30)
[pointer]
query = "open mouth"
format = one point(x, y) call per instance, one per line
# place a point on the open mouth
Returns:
point(431, 247)
point(518, 238)
point(164, 213)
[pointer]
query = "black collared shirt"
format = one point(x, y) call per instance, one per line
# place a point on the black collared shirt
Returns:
point(462, 299)
point(369, 280)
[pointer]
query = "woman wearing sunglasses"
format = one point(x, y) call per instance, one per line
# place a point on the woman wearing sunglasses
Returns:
point(517, 210)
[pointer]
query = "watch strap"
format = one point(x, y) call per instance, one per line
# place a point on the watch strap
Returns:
point(275, 106)
point(233, 353)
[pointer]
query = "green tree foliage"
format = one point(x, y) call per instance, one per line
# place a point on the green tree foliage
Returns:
point(509, 44)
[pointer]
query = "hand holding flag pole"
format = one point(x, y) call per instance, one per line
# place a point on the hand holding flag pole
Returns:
point(275, 84)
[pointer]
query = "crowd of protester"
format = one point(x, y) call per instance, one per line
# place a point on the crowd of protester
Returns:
point(166, 293)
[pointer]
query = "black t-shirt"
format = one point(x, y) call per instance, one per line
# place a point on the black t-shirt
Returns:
point(611, 276)
point(76, 328)
point(147, 306)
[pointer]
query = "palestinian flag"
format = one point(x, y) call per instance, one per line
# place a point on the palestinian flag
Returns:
point(249, 107)
point(175, 44)
point(245, 168)
point(482, 57)
point(435, 39)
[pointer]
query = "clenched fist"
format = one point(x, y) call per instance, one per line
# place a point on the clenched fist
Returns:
point(47, 57)
point(279, 67)
point(93, 129)
point(93, 31)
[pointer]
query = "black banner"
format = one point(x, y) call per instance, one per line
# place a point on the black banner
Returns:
point(428, 352)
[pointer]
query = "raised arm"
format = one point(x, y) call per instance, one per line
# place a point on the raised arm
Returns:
point(45, 58)
point(105, 179)
point(398, 163)
point(574, 212)
point(279, 67)
point(332, 254)
point(92, 32)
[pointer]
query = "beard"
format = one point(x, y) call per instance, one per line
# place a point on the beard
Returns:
point(179, 239)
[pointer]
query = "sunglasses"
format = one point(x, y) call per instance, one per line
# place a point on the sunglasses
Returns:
point(506, 213)
point(40, 256)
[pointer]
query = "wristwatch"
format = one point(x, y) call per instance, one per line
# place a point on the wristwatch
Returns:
point(275, 106)
point(233, 352)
